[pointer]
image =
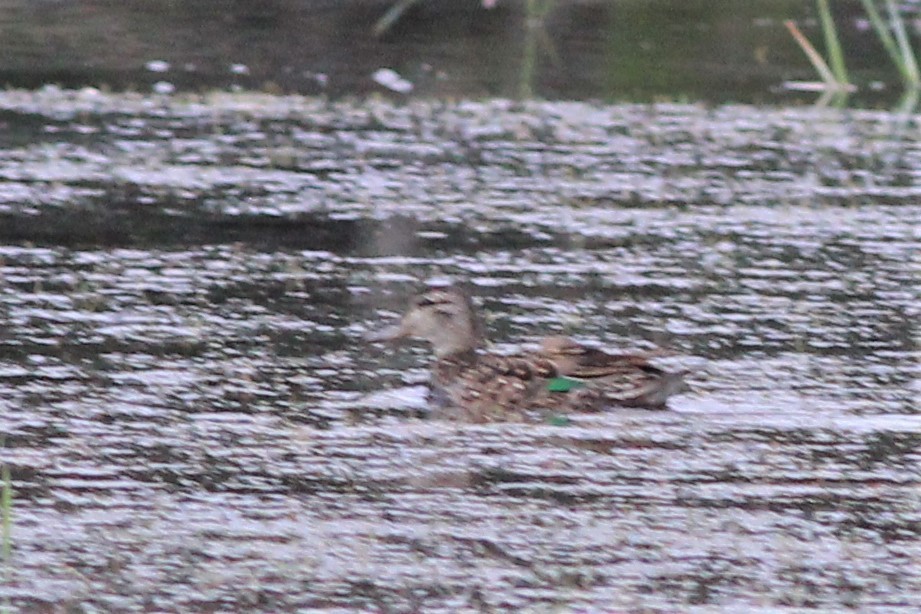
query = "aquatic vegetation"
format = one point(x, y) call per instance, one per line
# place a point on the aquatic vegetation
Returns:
point(833, 72)
point(6, 526)
point(393, 14)
point(898, 48)
point(830, 81)
point(832, 44)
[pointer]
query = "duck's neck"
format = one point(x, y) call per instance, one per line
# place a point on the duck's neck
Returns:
point(454, 366)
point(464, 357)
point(447, 348)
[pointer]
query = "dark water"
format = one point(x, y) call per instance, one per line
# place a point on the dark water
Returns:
point(592, 49)
point(193, 423)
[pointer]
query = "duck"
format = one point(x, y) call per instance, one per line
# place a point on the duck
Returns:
point(470, 384)
point(627, 380)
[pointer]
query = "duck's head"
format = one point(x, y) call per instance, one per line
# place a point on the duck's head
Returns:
point(443, 316)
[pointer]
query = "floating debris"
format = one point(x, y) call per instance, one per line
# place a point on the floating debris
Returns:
point(392, 80)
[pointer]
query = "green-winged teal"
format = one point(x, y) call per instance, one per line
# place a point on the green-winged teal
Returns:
point(562, 376)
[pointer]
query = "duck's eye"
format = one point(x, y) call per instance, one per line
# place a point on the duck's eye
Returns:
point(427, 300)
point(444, 314)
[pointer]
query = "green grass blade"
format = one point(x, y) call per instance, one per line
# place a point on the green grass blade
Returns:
point(832, 44)
point(392, 15)
point(907, 106)
point(6, 508)
point(529, 54)
point(908, 65)
point(882, 32)
point(6, 525)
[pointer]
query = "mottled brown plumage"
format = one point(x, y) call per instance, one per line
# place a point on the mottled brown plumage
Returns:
point(471, 385)
point(623, 379)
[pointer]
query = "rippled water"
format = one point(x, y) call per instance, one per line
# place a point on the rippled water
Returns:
point(194, 424)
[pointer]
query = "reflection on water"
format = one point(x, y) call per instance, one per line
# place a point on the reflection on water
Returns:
point(586, 50)
point(193, 422)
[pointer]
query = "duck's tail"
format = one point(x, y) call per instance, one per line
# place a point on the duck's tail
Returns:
point(655, 392)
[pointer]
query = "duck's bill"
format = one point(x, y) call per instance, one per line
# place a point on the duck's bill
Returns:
point(387, 334)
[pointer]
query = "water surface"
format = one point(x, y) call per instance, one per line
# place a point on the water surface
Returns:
point(194, 424)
